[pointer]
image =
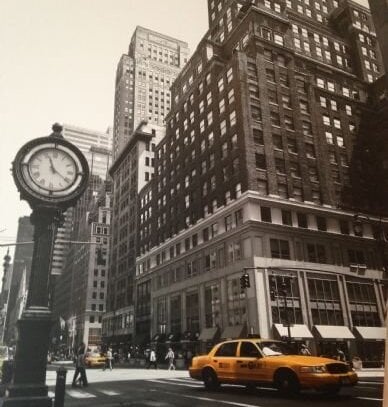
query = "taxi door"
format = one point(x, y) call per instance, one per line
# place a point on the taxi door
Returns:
point(249, 366)
point(224, 361)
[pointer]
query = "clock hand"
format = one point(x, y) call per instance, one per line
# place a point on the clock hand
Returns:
point(52, 166)
point(64, 178)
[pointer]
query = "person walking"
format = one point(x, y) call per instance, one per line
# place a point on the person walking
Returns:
point(304, 350)
point(108, 360)
point(80, 367)
point(170, 356)
point(152, 360)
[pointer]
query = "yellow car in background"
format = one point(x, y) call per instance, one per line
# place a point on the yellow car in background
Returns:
point(95, 359)
point(254, 362)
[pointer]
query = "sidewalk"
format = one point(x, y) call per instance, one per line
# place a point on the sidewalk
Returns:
point(378, 372)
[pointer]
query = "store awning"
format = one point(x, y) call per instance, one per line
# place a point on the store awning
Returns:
point(208, 334)
point(333, 332)
point(371, 333)
point(298, 331)
point(233, 332)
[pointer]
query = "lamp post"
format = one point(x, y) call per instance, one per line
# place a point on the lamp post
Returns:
point(51, 174)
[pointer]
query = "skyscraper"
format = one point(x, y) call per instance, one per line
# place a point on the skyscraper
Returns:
point(253, 175)
point(143, 80)
point(142, 101)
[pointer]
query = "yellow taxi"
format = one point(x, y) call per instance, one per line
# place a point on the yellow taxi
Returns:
point(254, 362)
point(95, 359)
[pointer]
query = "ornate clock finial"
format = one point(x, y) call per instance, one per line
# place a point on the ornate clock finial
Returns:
point(57, 130)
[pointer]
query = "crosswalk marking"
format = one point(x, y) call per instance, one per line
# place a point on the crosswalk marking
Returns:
point(109, 392)
point(186, 379)
point(80, 394)
point(170, 381)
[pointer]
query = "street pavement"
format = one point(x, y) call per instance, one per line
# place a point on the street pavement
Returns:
point(127, 387)
point(134, 387)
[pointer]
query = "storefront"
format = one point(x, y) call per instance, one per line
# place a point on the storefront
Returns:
point(299, 334)
point(208, 338)
point(330, 339)
point(370, 344)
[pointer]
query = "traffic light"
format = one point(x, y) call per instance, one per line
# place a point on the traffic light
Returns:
point(244, 281)
point(272, 295)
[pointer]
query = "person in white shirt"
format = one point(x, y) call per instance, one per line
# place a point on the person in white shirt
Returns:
point(170, 356)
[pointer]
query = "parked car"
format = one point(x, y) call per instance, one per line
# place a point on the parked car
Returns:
point(255, 362)
point(94, 359)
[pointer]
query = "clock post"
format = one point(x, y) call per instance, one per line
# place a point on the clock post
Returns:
point(51, 174)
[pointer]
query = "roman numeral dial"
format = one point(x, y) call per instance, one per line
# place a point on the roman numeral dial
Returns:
point(52, 169)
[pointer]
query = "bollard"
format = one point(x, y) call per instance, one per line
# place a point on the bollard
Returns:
point(60, 387)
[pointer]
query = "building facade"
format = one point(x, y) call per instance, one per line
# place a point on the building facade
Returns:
point(81, 288)
point(96, 147)
point(143, 80)
point(74, 264)
point(142, 101)
point(131, 172)
point(252, 176)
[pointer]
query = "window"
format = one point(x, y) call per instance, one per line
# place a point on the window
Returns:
point(278, 38)
point(286, 101)
point(227, 350)
point(280, 249)
point(265, 214)
point(294, 169)
point(260, 161)
point(344, 227)
point(286, 217)
point(321, 223)
point(277, 141)
point(302, 220)
point(291, 145)
point(329, 137)
point(275, 119)
point(280, 165)
point(288, 122)
point(249, 350)
point(316, 253)
point(270, 74)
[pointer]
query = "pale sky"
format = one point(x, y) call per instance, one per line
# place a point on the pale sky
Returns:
point(58, 62)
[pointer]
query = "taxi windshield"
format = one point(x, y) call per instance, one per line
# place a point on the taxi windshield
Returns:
point(273, 348)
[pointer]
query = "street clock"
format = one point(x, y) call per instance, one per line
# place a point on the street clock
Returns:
point(50, 171)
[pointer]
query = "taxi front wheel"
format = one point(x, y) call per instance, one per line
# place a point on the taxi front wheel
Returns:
point(210, 380)
point(287, 383)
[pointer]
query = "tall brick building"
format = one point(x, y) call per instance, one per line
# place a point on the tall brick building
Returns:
point(142, 101)
point(252, 174)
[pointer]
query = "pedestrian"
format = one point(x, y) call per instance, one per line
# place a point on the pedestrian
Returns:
point(108, 359)
point(80, 367)
point(341, 355)
point(304, 350)
point(170, 357)
point(152, 359)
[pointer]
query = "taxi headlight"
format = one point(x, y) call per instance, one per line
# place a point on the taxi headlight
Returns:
point(313, 369)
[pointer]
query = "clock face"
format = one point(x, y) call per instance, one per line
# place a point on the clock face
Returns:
point(52, 169)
